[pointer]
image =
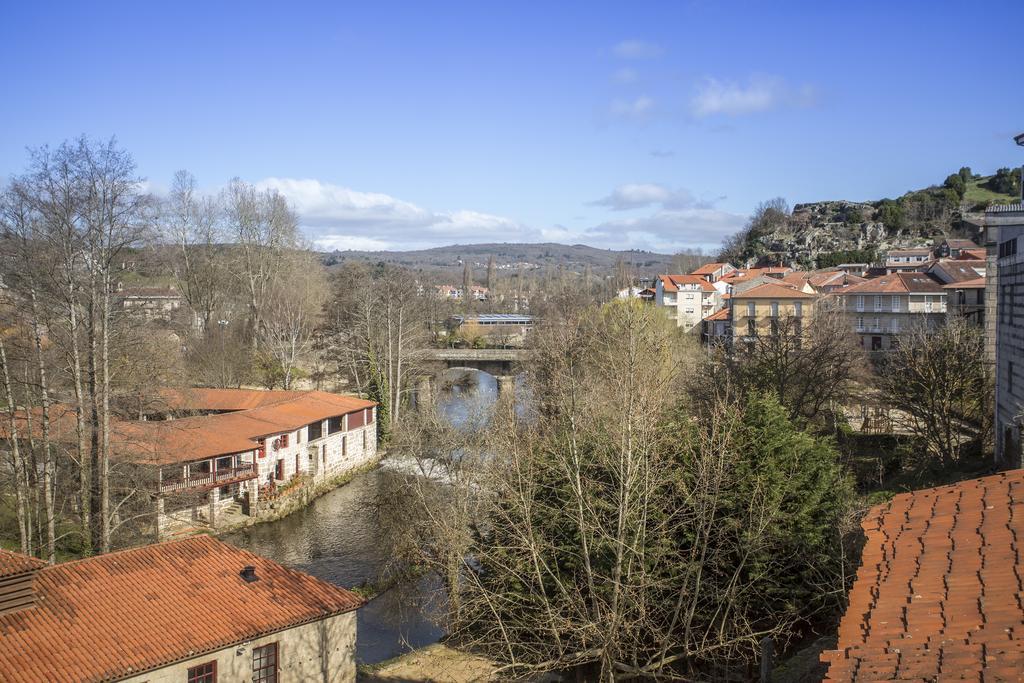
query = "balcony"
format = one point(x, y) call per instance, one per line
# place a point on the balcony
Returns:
point(221, 477)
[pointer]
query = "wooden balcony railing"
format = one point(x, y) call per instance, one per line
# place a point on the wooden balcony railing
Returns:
point(209, 479)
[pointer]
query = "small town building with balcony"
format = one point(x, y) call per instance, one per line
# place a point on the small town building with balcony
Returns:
point(881, 308)
point(761, 311)
point(240, 450)
point(688, 299)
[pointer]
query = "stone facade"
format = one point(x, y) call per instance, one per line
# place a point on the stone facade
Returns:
point(1009, 325)
point(319, 652)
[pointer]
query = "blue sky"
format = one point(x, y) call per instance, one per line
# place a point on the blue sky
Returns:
point(622, 125)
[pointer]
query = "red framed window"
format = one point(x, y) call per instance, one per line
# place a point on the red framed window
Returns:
point(203, 673)
point(284, 440)
point(264, 664)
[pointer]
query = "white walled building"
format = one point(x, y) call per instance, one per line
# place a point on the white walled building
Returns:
point(688, 298)
point(250, 446)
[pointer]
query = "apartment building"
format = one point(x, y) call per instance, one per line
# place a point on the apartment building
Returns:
point(760, 310)
point(881, 308)
point(1005, 226)
point(688, 299)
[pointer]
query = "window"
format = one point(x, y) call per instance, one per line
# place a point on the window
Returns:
point(364, 439)
point(344, 446)
point(895, 303)
point(279, 470)
point(316, 430)
point(775, 309)
point(877, 326)
point(204, 673)
point(774, 324)
point(798, 309)
point(927, 303)
point(1008, 248)
point(860, 302)
point(878, 303)
point(860, 323)
point(895, 325)
point(334, 424)
point(751, 309)
point(284, 440)
point(264, 664)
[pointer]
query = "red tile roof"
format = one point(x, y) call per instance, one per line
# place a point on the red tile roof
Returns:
point(709, 268)
point(126, 613)
point(938, 593)
point(205, 436)
point(976, 283)
point(222, 399)
point(896, 283)
point(772, 291)
point(671, 283)
point(13, 564)
point(721, 314)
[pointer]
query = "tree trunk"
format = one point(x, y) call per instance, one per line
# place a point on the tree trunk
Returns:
point(48, 470)
point(20, 479)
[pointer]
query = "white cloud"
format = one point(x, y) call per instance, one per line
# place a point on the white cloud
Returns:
point(760, 93)
point(337, 217)
point(637, 49)
point(638, 108)
point(625, 75)
point(669, 231)
point(642, 195)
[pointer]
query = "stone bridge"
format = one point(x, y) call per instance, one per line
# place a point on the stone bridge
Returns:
point(503, 364)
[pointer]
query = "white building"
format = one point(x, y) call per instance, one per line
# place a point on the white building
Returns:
point(881, 308)
point(246, 448)
point(689, 299)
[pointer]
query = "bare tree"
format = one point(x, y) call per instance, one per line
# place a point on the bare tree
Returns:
point(193, 224)
point(939, 380)
point(265, 230)
point(294, 313)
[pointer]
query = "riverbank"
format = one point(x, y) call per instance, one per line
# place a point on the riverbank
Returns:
point(432, 664)
point(298, 499)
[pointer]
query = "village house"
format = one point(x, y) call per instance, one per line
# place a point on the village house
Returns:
point(881, 308)
point(937, 594)
point(901, 260)
point(762, 310)
point(688, 299)
point(191, 611)
point(241, 448)
point(952, 248)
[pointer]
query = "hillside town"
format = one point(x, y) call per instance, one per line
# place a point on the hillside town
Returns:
point(464, 343)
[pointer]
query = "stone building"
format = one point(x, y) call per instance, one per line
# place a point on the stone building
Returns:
point(1004, 226)
point(760, 310)
point(191, 611)
point(245, 447)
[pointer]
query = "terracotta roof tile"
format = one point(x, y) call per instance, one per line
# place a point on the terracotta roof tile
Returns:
point(938, 592)
point(772, 291)
point(108, 617)
point(709, 268)
point(13, 564)
point(721, 314)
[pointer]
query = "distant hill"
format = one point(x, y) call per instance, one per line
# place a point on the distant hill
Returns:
point(511, 255)
point(821, 234)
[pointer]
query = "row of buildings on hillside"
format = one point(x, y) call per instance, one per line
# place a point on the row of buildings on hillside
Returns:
point(726, 304)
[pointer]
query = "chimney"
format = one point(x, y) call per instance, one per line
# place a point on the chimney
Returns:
point(248, 574)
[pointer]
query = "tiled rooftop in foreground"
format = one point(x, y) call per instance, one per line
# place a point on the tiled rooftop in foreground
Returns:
point(114, 616)
point(938, 593)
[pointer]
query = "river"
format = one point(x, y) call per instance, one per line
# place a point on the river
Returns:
point(336, 537)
